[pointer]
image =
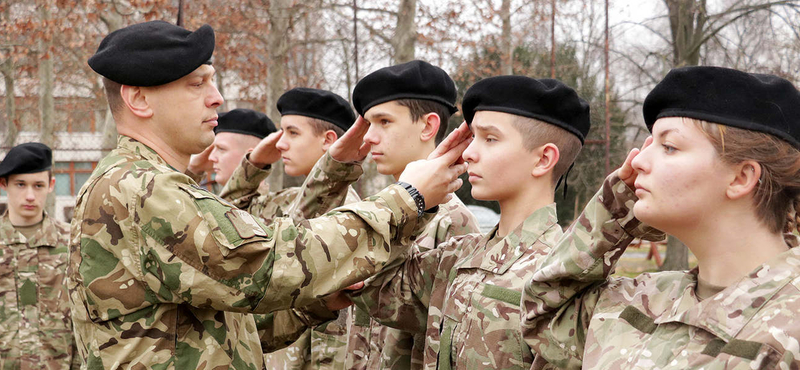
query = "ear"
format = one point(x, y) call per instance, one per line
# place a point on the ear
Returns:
point(745, 179)
point(432, 121)
point(135, 99)
point(52, 184)
point(329, 137)
point(4, 183)
point(548, 157)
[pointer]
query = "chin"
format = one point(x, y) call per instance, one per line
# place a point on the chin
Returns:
point(481, 195)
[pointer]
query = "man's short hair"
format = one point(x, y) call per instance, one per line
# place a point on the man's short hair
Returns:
point(536, 133)
point(319, 127)
point(113, 96)
point(420, 107)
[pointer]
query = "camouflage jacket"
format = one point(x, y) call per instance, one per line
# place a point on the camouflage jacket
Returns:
point(35, 326)
point(465, 295)
point(162, 273)
point(324, 346)
point(372, 345)
point(579, 317)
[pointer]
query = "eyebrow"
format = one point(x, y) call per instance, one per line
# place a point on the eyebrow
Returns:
point(666, 132)
point(378, 115)
point(487, 128)
point(291, 127)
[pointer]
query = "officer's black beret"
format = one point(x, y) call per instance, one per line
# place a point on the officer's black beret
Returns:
point(411, 80)
point(751, 101)
point(26, 158)
point(245, 121)
point(315, 103)
point(152, 53)
point(543, 99)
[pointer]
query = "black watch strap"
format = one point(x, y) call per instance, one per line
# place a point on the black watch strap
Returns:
point(419, 200)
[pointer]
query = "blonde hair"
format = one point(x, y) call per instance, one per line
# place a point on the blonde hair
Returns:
point(777, 196)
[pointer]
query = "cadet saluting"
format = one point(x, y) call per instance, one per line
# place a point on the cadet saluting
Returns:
point(161, 271)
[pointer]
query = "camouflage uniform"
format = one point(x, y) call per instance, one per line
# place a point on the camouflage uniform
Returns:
point(35, 327)
point(578, 317)
point(323, 346)
point(465, 295)
point(162, 273)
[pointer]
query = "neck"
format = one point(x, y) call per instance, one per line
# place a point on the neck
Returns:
point(514, 210)
point(723, 257)
point(179, 161)
point(18, 220)
point(422, 154)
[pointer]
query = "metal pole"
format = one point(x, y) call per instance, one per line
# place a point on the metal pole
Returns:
point(355, 37)
point(553, 39)
point(608, 101)
point(180, 13)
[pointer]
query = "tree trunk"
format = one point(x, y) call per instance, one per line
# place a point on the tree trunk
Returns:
point(113, 22)
point(405, 33)
point(687, 19)
point(277, 41)
point(677, 256)
point(506, 52)
point(12, 130)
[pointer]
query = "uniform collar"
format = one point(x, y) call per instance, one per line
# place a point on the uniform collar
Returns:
point(128, 144)
point(727, 312)
point(499, 255)
point(46, 236)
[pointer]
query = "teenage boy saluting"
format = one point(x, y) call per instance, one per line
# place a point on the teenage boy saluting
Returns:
point(164, 274)
point(35, 327)
point(465, 294)
point(311, 121)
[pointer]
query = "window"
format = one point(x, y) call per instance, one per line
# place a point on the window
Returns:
point(70, 176)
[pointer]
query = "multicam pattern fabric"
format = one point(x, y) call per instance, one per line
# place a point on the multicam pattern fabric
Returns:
point(35, 326)
point(322, 347)
point(372, 345)
point(579, 317)
point(464, 295)
point(163, 274)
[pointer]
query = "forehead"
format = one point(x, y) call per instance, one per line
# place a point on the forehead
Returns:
point(491, 120)
point(295, 121)
point(222, 138)
point(389, 109)
point(205, 70)
point(30, 177)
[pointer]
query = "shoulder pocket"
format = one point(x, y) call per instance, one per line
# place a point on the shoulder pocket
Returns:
point(230, 226)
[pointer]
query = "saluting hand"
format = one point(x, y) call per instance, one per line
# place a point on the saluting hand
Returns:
point(266, 152)
point(351, 146)
point(627, 173)
point(199, 163)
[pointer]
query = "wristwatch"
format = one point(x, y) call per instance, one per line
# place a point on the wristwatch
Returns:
point(419, 200)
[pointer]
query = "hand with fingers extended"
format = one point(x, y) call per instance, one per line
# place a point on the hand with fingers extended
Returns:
point(351, 146)
point(437, 176)
point(627, 173)
point(199, 164)
point(266, 152)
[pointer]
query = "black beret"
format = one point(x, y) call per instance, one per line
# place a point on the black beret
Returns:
point(245, 121)
point(26, 158)
point(751, 101)
point(543, 99)
point(152, 53)
point(315, 103)
point(413, 80)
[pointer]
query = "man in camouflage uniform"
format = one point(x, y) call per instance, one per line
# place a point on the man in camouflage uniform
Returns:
point(237, 131)
point(164, 274)
point(408, 107)
point(579, 317)
point(464, 295)
point(35, 327)
point(311, 121)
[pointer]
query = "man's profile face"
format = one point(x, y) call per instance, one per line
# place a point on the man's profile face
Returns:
point(229, 149)
point(185, 110)
point(27, 194)
point(300, 146)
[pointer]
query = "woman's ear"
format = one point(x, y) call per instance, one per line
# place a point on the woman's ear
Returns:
point(746, 177)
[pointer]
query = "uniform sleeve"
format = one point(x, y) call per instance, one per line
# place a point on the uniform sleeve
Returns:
point(399, 296)
point(242, 186)
point(183, 244)
point(326, 187)
point(559, 299)
point(280, 329)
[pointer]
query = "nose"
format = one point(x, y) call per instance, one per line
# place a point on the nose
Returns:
point(641, 163)
point(282, 144)
point(214, 99)
point(213, 157)
point(372, 137)
point(30, 194)
point(470, 154)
